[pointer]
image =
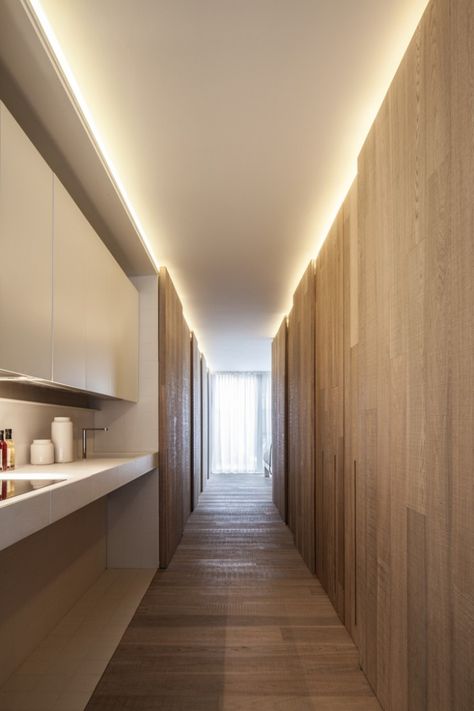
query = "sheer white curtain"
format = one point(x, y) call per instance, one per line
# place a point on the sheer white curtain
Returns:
point(240, 421)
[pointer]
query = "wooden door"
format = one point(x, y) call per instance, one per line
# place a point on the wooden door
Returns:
point(175, 419)
point(280, 421)
point(196, 422)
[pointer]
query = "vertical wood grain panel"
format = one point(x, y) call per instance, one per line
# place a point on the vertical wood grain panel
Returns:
point(351, 415)
point(301, 423)
point(329, 319)
point(417, 613)
point(196, 422)
point(435, 227)
point(404, 343)
point(292, 407)
point(461, 350)
point(381, 454)
point(415, 540)
point(205, 423)
point(175, 419)
point(279, 421)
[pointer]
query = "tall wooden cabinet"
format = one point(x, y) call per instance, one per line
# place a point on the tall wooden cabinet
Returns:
point(408, 382)
point(204, 422)
point(329, 431)
point(175, 419)
point(196, 422)
point(353, 531)
point(416, 374)
point(301, 417)
point(280, 420)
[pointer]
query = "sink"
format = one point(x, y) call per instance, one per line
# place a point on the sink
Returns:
point(36, 479)
point(35, 476)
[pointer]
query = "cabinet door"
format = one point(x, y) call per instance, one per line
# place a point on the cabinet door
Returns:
point(126, 336)
point(26, 207)
point(73, 238)
point(100, 318)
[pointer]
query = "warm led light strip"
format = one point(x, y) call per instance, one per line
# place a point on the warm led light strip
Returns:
point(40, 20)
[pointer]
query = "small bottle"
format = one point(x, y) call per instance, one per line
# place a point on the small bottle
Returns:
point(11, 463)
point(3, 464)
point(10, 449)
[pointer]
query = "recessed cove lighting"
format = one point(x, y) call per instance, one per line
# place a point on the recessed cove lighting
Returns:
point(42, 25)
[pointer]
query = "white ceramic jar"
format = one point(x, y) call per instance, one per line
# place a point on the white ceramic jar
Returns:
point(61, 434)
point(42, 452)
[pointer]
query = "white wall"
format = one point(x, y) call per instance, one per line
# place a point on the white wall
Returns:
point(133, 427)
point(132, 511)
point(32, 420)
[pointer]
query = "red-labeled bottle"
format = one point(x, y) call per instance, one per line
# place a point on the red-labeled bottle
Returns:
point(3, 463)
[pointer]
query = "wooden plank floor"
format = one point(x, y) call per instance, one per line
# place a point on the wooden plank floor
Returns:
point(236, 622)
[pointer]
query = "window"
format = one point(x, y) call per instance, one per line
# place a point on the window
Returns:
point(240, 421)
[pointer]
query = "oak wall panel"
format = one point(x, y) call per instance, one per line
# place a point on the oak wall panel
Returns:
point(205, 423)
point(415, 573)
point(175, 419)
point(459, 398)
point(301, 418)
point(351, 414)
point(292, 419)
point(280, 421)
point(196, 422)
point(329, 369)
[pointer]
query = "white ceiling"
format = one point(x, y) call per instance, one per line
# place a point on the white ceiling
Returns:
point(235, 127)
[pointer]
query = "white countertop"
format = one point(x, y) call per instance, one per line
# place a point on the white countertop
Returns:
point(87, 480)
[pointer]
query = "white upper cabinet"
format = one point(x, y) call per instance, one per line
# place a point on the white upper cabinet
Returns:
point(99, 303)
point(73, 237)
point(69, 312)
point(111, 327)
point(26, 189)
point(95, 309)
point(126, 309)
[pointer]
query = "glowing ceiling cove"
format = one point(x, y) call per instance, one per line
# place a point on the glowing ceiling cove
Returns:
point(37, 12)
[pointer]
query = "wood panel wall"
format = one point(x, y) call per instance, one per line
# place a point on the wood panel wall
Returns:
point(280, 421)
point(175, 419)
point(405, 304)
point(416, 374)
point(351, 413)
point(335, 416)
point(301, 417)
point(196, 422)
point(205, 423)
point(329, 367)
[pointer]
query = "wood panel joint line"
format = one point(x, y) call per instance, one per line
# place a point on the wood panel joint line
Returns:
point(323, 559)
point(355, 543)
point(334, 526)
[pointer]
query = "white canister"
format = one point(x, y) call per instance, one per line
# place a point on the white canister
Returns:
point(61, 434)
point(42, 452)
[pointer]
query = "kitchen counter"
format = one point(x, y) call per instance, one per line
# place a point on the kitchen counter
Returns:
point(87, 480)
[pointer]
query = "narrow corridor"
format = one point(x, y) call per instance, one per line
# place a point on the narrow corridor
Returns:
point(236, 622)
